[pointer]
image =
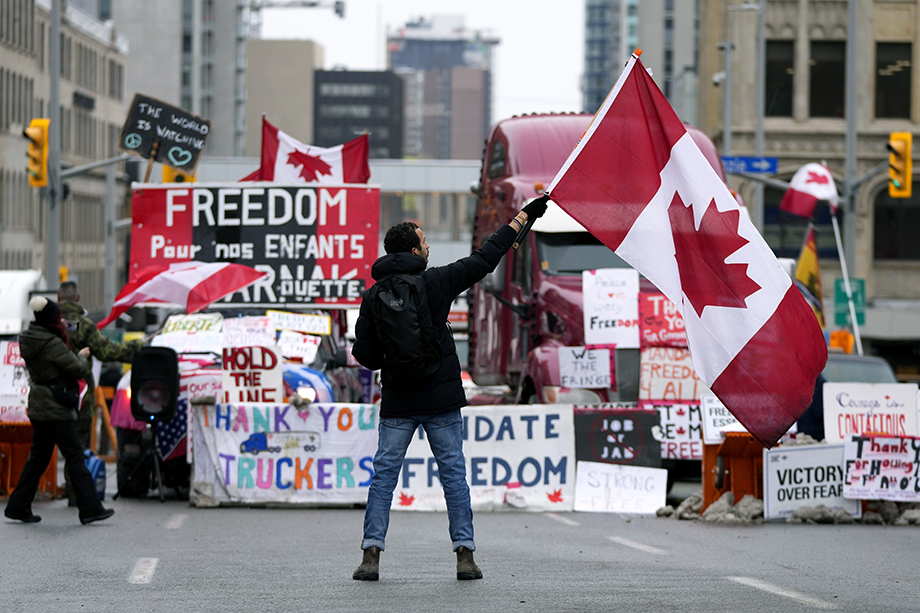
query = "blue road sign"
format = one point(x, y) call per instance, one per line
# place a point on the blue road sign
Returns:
point(735, 164)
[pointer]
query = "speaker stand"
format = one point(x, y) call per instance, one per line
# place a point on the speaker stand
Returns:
point(154, 452)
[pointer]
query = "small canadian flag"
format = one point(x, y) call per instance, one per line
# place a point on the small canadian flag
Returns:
point(287, 160)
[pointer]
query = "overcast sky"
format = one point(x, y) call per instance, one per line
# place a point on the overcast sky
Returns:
point(538, 63)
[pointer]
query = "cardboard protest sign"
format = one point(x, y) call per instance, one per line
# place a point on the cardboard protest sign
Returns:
point(882, 468)
point(517, 457)
point(717, 420)
point(252, 374)
point(178, 136)
point(666, 373)
point(869, 408)
point(804, 476)
point(316, 243)
point(614, 488)
point(617, 436)
point(611, 307)
point(248, 331)
point(680, 430)
point(584, 367)
point(256, 452)
point(660, 322)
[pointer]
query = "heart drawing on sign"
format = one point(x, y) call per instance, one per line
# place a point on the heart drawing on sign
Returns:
point(179, 156)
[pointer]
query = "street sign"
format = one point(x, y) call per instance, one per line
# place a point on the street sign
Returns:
point(841, 305)
point(167, 134)
point(735, 164)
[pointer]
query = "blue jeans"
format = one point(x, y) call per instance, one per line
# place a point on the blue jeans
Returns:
point(444, 432)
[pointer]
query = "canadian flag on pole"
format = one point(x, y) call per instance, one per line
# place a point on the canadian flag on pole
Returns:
point(287, 160)
point(812, 182)
point(639, 183)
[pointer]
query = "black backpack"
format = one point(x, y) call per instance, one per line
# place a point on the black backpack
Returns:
point(410, 344)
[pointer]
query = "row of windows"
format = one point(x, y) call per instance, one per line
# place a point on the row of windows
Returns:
point(16, 93)
point(361, 111)
point(17, 24)
point(16, 198)
point(355, 90)
point(827, 79)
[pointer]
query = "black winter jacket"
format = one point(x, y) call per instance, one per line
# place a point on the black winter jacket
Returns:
point(48, 359)
point(442, 391)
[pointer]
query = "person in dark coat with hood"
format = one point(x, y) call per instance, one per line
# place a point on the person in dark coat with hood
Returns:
point(432, 401)
point(46, 350)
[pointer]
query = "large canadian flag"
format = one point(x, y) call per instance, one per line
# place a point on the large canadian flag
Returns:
point(811, 183)
point(287, 160)
point(638, 182)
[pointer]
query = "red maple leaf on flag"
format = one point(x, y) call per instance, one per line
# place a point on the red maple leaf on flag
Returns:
point(816, 177)
point(405, 501)
point(704, 276)
point(311, 166)
point(555, 496)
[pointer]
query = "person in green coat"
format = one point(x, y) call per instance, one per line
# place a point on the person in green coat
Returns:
point(83, 333)
point(49, 359)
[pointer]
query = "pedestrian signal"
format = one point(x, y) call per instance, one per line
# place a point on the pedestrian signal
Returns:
point(37, 133)
point(900, 164)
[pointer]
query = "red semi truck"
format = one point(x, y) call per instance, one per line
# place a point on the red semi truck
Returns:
point(527, 309)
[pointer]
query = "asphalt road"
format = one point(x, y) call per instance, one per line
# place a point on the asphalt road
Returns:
point(156, 556)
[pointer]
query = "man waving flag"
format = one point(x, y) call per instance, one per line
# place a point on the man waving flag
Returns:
point(639, 183)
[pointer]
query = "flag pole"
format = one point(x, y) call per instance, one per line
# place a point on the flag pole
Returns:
point(846, 279)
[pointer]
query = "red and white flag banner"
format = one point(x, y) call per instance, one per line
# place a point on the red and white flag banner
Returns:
point(639, 183)
point(287, 160)
point(811, 183)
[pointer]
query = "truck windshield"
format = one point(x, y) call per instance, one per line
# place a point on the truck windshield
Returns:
point(563, 253)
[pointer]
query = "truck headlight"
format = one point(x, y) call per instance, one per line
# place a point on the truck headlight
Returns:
point(553, 394)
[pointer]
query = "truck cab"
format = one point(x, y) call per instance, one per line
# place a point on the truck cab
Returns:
point(521, 314)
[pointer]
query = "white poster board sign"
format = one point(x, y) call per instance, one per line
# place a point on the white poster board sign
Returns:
point(869, 408)
point(252, 374)
point(717, 420)
point(680, 429)
point(666, 373)
point(882, 468)
point(804, 476)
point(301, 322)
point(619, 488)
point(611, 306)
point(195, 333)
point(298, 345)
point(518, 457)
point(279, 453)
point(583, 367)
point(248, 331)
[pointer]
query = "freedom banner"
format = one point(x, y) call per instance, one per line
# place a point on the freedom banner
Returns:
point(316, 243)
point(518, 457)
point(260, 452)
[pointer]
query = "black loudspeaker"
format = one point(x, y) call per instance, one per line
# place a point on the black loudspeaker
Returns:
point(154, 384)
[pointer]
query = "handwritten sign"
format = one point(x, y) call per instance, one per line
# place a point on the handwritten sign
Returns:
point(869, 408)
point(666, 373)
point(717, 420)
point(247, 331)
point(252, 374)
point(195, 333)
point(660, 322)
point(680, 430)
point(804, 476)
point(614, 488)
point(617, 436)
point(301, 322)
point(583, 367)
point(297, 345)
point(611, 307)
point(179, 135)
point(882, 467)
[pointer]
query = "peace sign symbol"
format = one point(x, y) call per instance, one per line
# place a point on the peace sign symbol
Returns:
point(133, 141)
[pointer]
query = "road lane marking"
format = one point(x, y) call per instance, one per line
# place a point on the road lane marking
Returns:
point(175, 522)
point(143, 570)
point(637, 545)
point(779, 591)
point(562, 520)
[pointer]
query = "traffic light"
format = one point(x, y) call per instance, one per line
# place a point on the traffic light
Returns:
point(171, 175)
point(900, 165)
point(37, 133)
point(340, 8)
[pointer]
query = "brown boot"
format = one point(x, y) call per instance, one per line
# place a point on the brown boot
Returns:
point(369, 570)
point(466, 567)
